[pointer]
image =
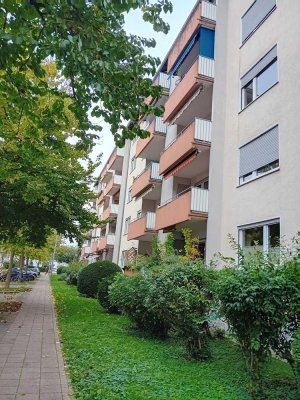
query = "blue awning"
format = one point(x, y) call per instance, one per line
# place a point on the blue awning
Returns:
point(183, 55)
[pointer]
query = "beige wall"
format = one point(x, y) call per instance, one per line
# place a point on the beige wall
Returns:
point(278, 194)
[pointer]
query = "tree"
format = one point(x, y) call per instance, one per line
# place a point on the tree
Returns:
point(43, 183)
point(105, 69)
point(67, 254)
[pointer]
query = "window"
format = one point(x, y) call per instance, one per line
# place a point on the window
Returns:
point(264, 236)
point(255, 16)
point(260, 78)
point(132, 164)
point(139, 214)
point(127, 222)
point(129, 195)
point(259, 156)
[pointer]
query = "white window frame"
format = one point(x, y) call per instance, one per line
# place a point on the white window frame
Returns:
point(126, 224)
point(132, 164)
point(254, 81)
point(265, 225)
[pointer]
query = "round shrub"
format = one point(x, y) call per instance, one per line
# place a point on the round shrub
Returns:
point(61, 270)
point(88, 277)
point(103, 297)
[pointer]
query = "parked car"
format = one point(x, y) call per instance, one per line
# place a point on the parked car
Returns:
point(36, 270)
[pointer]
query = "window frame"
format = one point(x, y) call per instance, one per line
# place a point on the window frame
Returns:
point(255, 95)
point(126, 225)
point(253, 175)
point(266, 237)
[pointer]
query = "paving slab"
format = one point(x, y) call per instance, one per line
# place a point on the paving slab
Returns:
point(31, 363)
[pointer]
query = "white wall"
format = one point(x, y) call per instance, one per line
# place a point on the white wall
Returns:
point(278, 194)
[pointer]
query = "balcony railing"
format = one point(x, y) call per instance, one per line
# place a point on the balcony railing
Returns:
point(105, 241)
point(206, 67)
point(189, 204)
point(209, 10)
point(142, 226)
point(151, 146)
point(146, 178)
point(162, 80)
point(196, 135)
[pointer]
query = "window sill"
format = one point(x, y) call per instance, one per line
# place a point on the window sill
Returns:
point(259, 177)
point(257, 98)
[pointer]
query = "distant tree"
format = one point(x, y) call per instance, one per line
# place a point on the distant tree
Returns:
point(67, 254)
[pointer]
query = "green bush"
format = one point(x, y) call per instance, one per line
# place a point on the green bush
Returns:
point(73, 271)
point(129, 295)
point(103, 297)
point(258, 299)
point(89, 276)
point(181, 297)
point(61, 270)
point(296, 356)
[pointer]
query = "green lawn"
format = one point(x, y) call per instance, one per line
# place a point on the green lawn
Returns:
point(108, 361)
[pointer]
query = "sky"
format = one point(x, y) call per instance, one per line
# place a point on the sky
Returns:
point(136, 25)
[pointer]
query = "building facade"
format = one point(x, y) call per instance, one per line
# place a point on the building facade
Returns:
point(223, 159)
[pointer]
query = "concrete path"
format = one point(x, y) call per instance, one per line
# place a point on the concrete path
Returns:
point(31, 363)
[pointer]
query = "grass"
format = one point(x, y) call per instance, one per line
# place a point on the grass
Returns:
point(107, 360)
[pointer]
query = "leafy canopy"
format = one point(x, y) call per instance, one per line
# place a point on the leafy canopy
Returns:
point(105, 69)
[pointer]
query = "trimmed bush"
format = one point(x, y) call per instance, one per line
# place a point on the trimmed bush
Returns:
point(103, 297)
point(129, 294)
point(89, 277)
point(61, 270)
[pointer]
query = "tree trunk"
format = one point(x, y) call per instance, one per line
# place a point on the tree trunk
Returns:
point(11, 264)
point(26, 264)
point(22, 261)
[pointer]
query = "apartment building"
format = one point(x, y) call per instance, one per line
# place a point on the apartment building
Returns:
point(254, 165)
point(223, 159)
point(101, 241)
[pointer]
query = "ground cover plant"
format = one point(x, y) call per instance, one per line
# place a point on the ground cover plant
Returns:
point(109, 361)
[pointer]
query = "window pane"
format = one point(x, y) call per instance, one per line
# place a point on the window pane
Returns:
point(267, 78)
point(254, 238)
point(248, 94)
point(274, 235)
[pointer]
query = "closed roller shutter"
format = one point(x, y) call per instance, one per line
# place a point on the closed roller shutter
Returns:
point(260, 152)
point(256, 14)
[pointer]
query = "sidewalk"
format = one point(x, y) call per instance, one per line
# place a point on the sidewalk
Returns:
point(31, 363)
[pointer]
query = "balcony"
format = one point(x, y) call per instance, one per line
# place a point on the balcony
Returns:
point(200, 75)
point(113, 185)
point(146, 179)
point(115, 161)
point(196, 136)
point(162, 80)
point(142, 228)
point(152, 146)
point(111, 212)
point(188, 205)
point(204, 15)
point(85, 251)
point(105, 242)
